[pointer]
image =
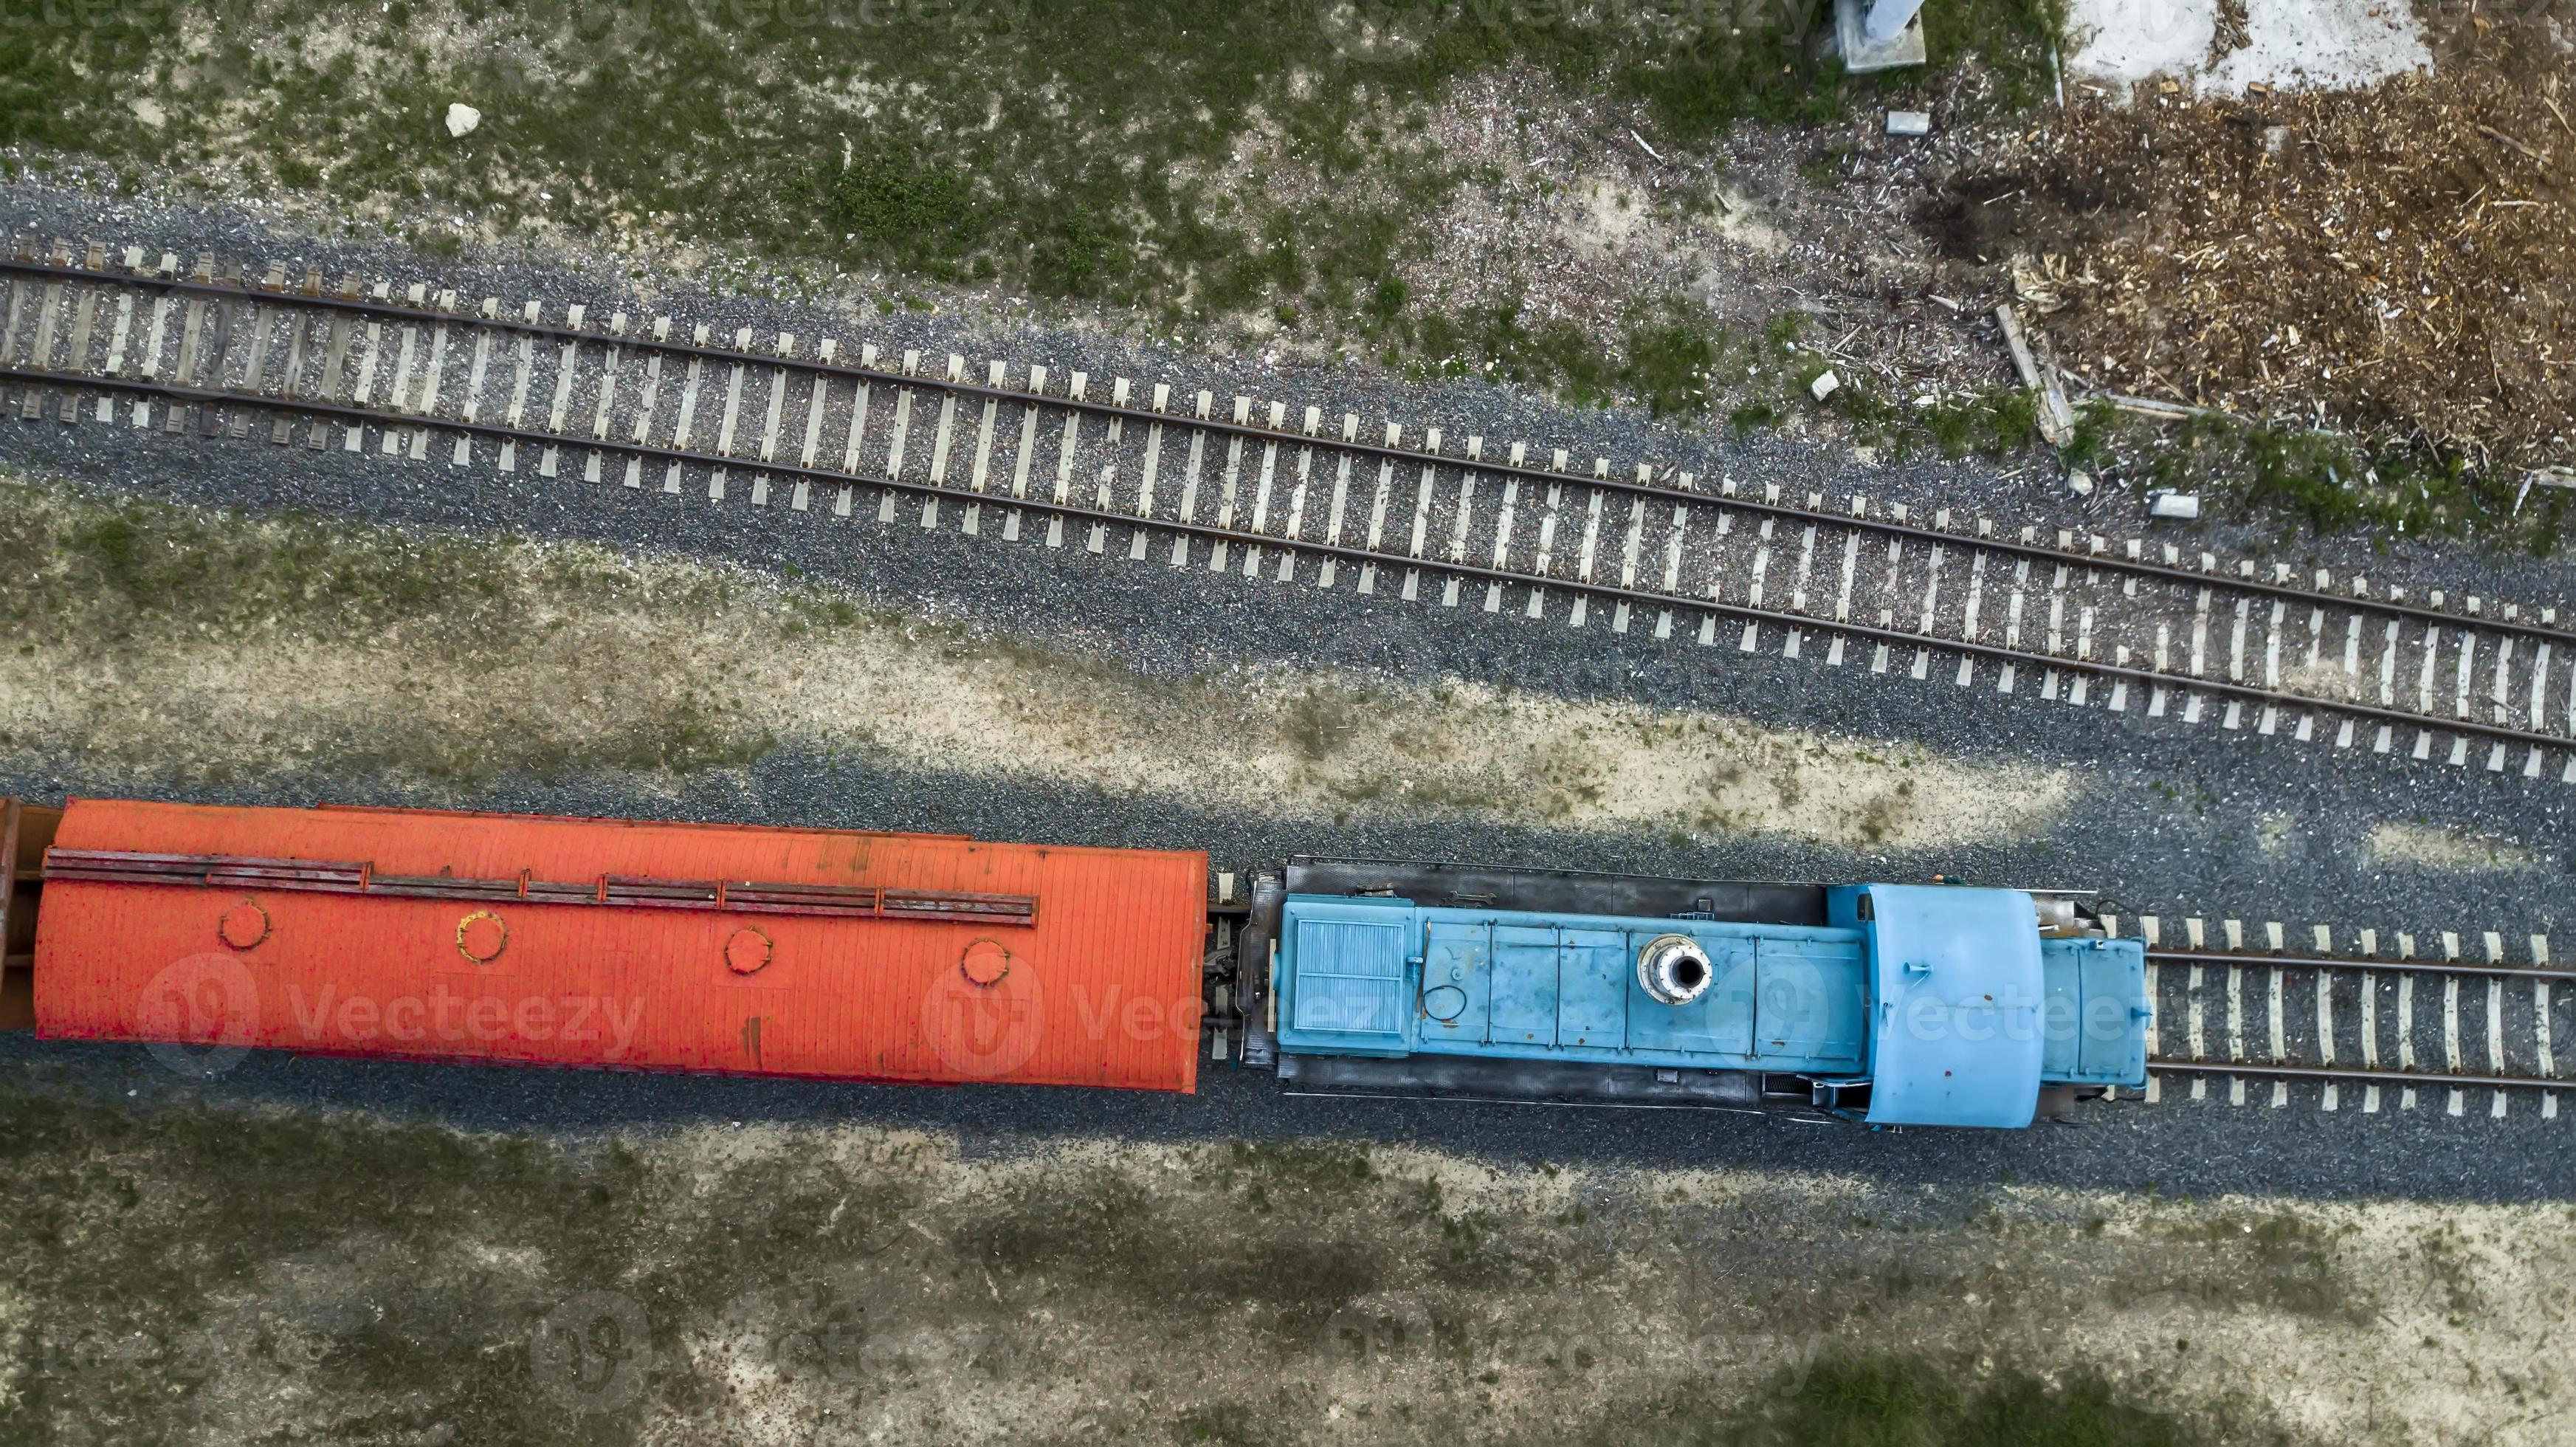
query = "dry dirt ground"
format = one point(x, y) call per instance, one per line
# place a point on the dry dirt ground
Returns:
point(862, 1284)
point(356, 652)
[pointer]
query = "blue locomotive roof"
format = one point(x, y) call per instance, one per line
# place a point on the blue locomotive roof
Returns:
point(1955, 1000)
point(1382, 977)
point(1945, 1000)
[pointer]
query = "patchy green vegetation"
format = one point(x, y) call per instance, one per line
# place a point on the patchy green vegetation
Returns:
point(1670, 356)
point(2325, 484)
point(125, 580)
point(401, 1281)
point(2012, 39)
point(114, 568)
point(49, 58)
point(1187, 159)
point(1854, 1400)
point(2328, 484)
point(1995, 423)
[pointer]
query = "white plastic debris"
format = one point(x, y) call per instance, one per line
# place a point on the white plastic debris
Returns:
point(1824, 385)
point(2079, 481)
point(1909, 123)
point(462, 119)
point(2180, 506)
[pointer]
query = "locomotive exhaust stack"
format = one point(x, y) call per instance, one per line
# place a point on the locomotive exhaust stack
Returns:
point(1673, 969)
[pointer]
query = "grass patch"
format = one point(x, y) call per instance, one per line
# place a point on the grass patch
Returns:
point(1707, 78)
point(108, 569)
point(153, 1334)
point(1856, 1400)
point(1075, 152)
point(145, 581)
point(1670, 356)
point(2327, 484)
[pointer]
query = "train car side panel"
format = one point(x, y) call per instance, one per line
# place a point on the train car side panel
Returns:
point(594, 942)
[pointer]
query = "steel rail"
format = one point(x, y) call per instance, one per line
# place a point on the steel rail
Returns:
point(386, 307)
point(2379, 965)
point(1799, 622)
point(2363, 1077)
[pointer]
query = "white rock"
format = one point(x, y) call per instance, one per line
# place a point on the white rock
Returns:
point(2080, 482)
point(462, 119)
point(1824, 385)
point(1909, 123)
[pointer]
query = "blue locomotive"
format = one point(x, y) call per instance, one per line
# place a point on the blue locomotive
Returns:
point(1895, 1004)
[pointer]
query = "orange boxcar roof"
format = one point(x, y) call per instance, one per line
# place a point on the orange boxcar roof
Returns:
point(598, 942)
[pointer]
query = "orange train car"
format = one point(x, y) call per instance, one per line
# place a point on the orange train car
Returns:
point(594, 942)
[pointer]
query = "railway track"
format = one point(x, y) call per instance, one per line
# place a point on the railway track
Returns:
point(1031, 456)
point(2361, 1028)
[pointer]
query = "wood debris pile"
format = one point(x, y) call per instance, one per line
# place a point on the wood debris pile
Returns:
point(2400, 261)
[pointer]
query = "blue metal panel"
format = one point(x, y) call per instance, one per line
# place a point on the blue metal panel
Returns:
point(1383, 977)
point(1956, 993)
point(1945, 999)
point(1343, 979)
point(1718, 1022)
point(2096, 1011)
point(1594, 974)
point(1524, 1009)
point(1565, 988)
point(1809, 1008)
point(1456, 974)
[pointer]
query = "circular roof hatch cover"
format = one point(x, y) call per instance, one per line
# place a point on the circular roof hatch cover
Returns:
point(243, 926)
point(481, 937)
point(985, 963)
point(747, 952)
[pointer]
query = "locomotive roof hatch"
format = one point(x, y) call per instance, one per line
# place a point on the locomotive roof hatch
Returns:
point(1955, 996)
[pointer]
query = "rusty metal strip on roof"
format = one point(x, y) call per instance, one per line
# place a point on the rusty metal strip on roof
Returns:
point(307, 876)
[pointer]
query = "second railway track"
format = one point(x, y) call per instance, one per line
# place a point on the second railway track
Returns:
point(2124, 626)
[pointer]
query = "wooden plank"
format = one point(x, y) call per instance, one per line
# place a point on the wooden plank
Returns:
point(603, 418)
point(1229, 480)
point(897, 440)
point(816, 401)
point(190, 334)
point(1334, 515)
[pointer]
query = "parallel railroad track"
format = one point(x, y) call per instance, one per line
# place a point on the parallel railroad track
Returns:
point(2121, 627)
point(2378, 1027)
